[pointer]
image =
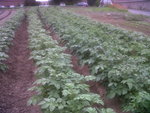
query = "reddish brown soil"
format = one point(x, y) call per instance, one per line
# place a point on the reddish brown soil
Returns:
point(7, 14)
point(1, 12)
point(84, 70)
point(4, 15)
point(15, 82)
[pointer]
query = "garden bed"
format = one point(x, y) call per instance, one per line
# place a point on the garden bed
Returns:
point(15, 82)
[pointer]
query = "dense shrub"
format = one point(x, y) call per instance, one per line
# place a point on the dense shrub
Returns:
point(31, 3)
point(68, 2)
point(93, 2)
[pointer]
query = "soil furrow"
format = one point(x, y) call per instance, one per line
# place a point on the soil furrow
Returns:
point(19, 77)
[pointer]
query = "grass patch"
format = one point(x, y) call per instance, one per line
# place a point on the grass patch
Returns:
point(98, 9)
point(143, 23)
point(133, 17)
point(106, 9)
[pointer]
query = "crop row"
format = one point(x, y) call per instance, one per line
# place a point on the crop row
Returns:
point(7, 33)
point(118, 57)
point(59, 89)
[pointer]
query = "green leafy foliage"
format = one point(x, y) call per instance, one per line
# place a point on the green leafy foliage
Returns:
point(6, 36)
point(118, 57)
point(59, 89)
point(140, 103)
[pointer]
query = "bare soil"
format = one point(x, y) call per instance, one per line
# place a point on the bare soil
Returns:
point(5, 16)
point(1, 12)
point(14, 83)
point(117, 19)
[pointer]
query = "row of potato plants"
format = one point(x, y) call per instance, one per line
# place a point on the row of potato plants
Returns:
point(59, 89)
point(7, 33)
point(119, 58)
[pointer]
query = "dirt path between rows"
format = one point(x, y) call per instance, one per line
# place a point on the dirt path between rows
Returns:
point(19, 77)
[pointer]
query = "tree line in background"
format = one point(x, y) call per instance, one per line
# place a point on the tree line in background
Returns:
point(71, 2)
point(30, 3)
point(68, 2)
point(57, 2)
point(93, 2)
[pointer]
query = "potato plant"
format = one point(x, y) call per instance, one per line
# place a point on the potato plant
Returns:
point(59, 89)
point(7, 32)
point(116, 56)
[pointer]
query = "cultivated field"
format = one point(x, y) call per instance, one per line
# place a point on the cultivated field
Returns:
point(56, 60)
